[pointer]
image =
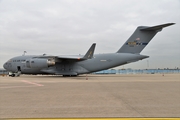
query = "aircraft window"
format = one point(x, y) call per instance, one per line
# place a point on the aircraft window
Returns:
point(27, 61)
point(9, 60)
point(32, 61)
point(18, 60)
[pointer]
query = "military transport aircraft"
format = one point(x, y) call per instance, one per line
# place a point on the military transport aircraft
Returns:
point(76, 65)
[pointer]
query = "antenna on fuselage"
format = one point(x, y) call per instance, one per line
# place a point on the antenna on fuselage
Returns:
point(24, 53)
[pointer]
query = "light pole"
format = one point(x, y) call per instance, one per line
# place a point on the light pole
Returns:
point(147, 64)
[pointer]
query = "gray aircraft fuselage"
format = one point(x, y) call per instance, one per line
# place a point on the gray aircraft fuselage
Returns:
point(90, 62)
point(97, 63)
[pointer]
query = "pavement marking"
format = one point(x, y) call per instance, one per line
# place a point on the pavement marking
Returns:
point(15, 86)
point(96, 119)
point(24, 81)
point(33, 83)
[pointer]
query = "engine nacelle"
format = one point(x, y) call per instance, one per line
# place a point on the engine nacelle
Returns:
point(39, 63)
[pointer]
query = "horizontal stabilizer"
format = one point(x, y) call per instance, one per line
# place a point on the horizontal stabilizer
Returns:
point(158, 27)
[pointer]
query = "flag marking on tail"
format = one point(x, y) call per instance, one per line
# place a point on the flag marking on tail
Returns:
point(136, 42)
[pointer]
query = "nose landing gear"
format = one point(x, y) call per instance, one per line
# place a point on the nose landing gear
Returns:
point(17, 74)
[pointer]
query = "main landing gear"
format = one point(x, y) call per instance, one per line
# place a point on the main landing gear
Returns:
point(70, 75)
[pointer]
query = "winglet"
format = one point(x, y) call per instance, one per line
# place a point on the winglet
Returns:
point(90, 52)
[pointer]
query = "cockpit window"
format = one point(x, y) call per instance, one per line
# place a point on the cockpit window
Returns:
point(9, 60)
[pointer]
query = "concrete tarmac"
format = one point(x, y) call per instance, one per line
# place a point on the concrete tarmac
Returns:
point(143, 95)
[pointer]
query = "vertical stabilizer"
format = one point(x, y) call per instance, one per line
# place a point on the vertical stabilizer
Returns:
point(140, 38)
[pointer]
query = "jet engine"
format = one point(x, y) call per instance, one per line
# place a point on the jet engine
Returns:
point(40, 63)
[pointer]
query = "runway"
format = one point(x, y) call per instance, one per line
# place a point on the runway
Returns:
point(150, 95)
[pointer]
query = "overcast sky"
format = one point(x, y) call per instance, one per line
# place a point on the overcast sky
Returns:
point(69, 27)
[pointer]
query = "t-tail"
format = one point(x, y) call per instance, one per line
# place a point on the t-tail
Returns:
point(140, 38)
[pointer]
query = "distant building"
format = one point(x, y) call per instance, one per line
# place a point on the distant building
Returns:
point(3, 72)
point(110, 71)
point(139, 71)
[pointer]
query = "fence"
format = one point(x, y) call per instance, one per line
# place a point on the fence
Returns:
point(139, 71)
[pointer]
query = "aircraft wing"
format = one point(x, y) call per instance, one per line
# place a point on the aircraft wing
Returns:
point(88, 55)
point(70, 57)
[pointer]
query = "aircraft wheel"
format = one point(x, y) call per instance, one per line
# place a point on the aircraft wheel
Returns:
point(69, 75)
point(73, 75)
point(13, 75)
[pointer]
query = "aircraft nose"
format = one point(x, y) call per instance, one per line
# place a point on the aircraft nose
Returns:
point(5, 66)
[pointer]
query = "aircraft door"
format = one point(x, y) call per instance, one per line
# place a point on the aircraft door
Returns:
point(28, 63)
point(19, 68)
